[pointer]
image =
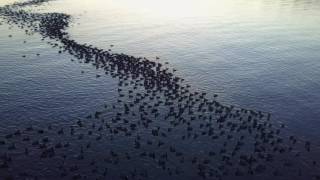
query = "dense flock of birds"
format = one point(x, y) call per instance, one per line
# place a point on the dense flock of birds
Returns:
point(159, 128)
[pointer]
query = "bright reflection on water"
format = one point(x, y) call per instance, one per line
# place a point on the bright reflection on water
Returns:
point(259, 54)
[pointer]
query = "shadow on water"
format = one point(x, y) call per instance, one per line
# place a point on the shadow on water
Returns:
point(170, 131)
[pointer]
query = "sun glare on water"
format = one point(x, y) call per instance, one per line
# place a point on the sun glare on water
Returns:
point(171, 9)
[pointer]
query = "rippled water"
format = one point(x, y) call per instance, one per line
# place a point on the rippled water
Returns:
point(256, 54)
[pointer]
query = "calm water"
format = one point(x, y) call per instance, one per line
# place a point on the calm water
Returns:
point(255, 54)
point(258, 54)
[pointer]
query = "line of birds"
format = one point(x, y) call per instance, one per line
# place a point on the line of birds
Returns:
point(159, 127)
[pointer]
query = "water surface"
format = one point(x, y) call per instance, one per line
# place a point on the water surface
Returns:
point(255, 54)
point(260, 55)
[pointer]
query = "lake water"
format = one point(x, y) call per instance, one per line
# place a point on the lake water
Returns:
point(257, 54)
